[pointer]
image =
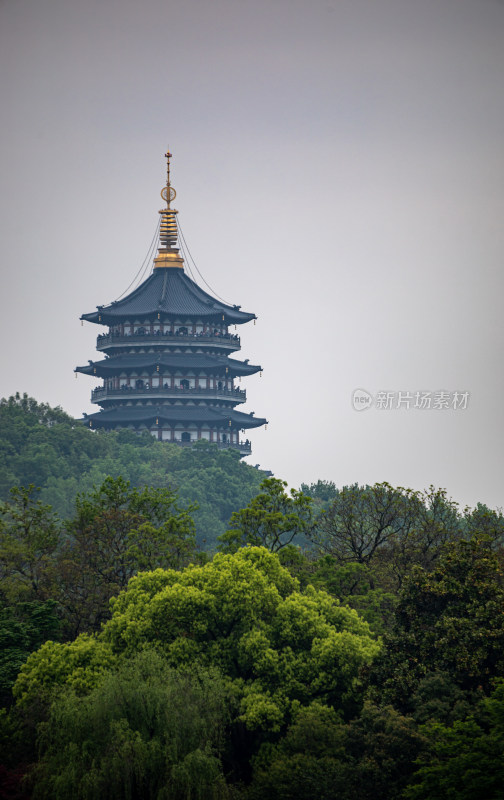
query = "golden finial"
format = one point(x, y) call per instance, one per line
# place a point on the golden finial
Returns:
point(168, 234)
point(168, 229)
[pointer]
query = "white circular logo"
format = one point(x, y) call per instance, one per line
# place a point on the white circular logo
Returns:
point(361, 400)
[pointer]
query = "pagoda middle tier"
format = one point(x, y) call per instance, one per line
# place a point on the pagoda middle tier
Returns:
point(175, 376)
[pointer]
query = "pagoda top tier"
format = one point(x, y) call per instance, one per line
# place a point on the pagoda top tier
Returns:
point(168, 293)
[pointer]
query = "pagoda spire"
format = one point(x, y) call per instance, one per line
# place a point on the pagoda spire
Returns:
point(168, 254)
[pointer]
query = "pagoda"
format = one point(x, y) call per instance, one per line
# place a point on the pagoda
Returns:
point(167, 365)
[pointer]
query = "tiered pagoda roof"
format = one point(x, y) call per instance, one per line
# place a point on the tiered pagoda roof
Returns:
point(170, 292)
point(185, 362)
point(121, 416)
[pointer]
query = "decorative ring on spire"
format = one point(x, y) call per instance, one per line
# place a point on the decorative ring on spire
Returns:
point(164, 193)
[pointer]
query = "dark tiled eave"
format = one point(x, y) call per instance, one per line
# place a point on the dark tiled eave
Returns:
point(183, 362)
point(171, 414)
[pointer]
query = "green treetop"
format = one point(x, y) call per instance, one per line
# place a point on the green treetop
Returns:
point(272, 519)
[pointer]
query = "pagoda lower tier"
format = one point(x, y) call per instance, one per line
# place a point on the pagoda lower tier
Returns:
point(180, 424)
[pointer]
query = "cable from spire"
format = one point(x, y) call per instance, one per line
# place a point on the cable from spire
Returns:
point(186, 261)
point(145, 262)
point(182, 239)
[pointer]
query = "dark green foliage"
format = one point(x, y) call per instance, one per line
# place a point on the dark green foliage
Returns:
point(449, 620)
point(24, 626)
point(482, 520)
point(29, 539)
point(273, 519)
point(381, 746)
point(118, 530)
point(390, 528)
point(217, 482)
point(49, 449)
point(370, 758)
point(307, 763)
point(146, 732)
point(350, 583)
point(465, 760)
point(11, 784)
point(438, 697)
point(323, 493)
point(363, 519)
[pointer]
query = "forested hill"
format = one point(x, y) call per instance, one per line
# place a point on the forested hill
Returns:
point(46, 447)
point(342, 643)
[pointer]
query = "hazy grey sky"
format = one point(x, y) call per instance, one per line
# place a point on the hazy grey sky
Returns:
point(340, 172)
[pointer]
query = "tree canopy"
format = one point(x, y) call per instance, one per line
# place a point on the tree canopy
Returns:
point(466, 759)
point(389, 527)
point(273, 519)
point(343, 643)
point(277, 647)
point(45, 447)
point(449, 621)
point(117, 530)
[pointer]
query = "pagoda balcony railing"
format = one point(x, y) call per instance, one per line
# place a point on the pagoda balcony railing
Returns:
point(243, 447)
point(227, 340)
point(131, 393)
